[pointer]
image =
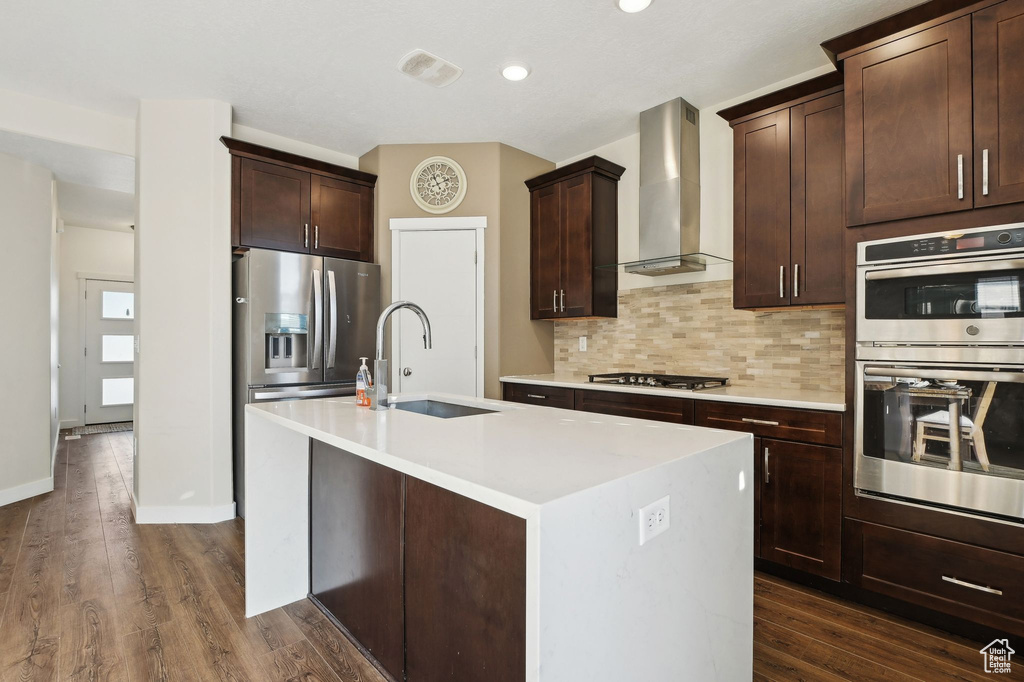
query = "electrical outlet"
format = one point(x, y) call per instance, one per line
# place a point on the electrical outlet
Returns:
point(654, 519)
point(583, 343)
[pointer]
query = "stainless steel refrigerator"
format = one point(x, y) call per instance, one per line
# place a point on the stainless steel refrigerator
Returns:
point(300, 325)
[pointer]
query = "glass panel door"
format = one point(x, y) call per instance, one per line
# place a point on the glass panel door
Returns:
point(109, 353)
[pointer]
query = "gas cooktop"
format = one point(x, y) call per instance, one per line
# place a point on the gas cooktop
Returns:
point(688, 383)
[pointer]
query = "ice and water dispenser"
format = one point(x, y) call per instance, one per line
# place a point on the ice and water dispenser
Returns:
point(285, 340)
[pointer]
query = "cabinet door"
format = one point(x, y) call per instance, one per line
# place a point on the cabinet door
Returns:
point(908, 126)
point(356, 549)
point(761, 211)
point(801, 506)
point(465, 586)
point(342, 219)
point(999, 103)
point(818, 218)
point(545, 251)
point(274, 207)
point(577, 247)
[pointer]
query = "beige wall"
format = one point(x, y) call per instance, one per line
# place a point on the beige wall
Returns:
point(95, 252)
point(492, 172)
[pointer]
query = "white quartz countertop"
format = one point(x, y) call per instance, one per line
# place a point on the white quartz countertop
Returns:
point(515, 459)
point(832, 401)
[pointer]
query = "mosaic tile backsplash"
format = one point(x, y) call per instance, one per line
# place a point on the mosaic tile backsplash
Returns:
point(693, 329)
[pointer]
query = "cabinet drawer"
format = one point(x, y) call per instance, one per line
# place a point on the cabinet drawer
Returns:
point(971, 582)
point(805, 426)
point(532, 394)
point(638, 405)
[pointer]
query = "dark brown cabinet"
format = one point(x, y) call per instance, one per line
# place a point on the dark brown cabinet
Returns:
point(908, 126)
point(291, 203)
point(799, 474)
point(465, 586)
point(431, 584)
point(999, 103)
point(573, 230)
point(788, 210)
point(801, 506)
point(356, 537)
point(640, 406)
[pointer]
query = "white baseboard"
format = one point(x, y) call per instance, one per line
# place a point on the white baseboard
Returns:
point(145, 514)
point(26, 490)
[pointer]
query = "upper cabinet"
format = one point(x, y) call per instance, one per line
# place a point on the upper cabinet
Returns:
point(999, 103)
point(935, 114)
point(291, 203)
point(788, 215)
point(573, 230)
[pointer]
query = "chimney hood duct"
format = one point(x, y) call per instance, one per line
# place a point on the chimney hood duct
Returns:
point(670, 192)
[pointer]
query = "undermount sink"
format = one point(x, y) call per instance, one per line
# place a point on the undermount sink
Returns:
point(437, 408)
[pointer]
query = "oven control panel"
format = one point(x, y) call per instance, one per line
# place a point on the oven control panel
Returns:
point(953, 244)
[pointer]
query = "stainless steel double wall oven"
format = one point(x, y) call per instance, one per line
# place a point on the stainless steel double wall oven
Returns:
point(940, 371)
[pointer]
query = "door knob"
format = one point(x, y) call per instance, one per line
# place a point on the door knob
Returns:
point(406, 372)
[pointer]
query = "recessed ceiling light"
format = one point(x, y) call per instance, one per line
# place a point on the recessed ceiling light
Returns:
point(515, 71)
point(633, 6)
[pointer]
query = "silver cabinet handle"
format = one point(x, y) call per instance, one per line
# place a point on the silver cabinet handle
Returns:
point(305, 236)
point(538, 397)
point(984, 172)
point(959, 176)
point(782, 281)
point(318, 321)
point(406, 372)
point(563, 300)
point(973, 586)
point(796, 280)
point(332, 292)
point(766, 422)
point(767, 473)
point(316, 236)
point(554, 300)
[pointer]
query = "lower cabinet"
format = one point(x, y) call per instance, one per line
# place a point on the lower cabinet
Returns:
point(431, 584)
point(638, 405)
point(465, 587)
point(356, 550)
point(801, 506)
point(966, 581)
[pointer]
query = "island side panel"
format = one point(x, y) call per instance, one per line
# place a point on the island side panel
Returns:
point(276, 515)
point(680, 607)
point(356, 516)
point(465, 578)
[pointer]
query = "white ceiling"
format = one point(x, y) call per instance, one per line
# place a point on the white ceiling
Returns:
point(104, 209)
point(324, 71)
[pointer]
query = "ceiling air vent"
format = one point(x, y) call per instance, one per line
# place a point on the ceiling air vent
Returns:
point(428, 68)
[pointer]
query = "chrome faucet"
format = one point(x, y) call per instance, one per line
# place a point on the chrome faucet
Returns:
point(378, 392)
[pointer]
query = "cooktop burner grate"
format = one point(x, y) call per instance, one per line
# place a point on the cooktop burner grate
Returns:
point(680, 381)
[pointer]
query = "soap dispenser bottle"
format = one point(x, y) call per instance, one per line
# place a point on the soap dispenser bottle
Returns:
point(363, 382)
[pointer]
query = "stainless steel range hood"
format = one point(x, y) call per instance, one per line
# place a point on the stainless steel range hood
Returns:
point(670, 192)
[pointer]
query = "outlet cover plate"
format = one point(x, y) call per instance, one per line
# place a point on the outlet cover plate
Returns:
point(654, 519)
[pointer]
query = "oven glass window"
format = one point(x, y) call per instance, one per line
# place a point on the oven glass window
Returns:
point(973, 295)
point(912, 420)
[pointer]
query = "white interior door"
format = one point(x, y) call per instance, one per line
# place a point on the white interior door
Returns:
point(109, 351)
point(437, 269)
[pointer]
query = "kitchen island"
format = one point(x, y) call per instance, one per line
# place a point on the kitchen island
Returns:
point(506, 544)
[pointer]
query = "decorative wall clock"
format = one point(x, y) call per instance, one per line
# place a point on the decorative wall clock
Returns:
point(438, 184)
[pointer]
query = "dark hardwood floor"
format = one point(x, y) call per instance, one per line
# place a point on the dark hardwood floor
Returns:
point(85, 594)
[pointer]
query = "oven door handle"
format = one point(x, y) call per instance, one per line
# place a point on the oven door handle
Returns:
point(947, 269)
point(950, 374)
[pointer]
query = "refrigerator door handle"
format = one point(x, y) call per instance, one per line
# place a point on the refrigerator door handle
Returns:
point(318, 321)
point(332, 294)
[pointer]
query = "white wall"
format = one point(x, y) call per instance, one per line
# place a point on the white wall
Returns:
point(286, 144)
point(84, 251)
point(715, 191)
point(183, 313)
point(60, 122)
point(27, 412)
